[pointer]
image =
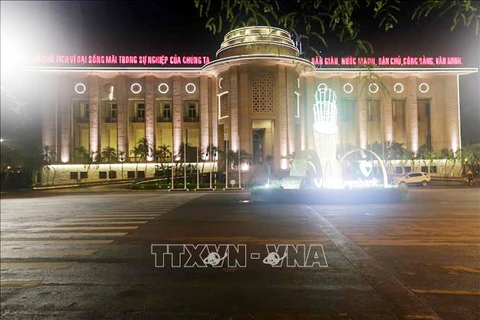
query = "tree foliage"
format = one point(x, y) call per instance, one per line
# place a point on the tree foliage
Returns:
point(316, 20)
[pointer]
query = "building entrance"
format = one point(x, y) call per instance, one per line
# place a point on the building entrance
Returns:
point(258, 145)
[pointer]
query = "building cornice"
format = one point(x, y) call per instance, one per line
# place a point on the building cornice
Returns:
point(219, 65)
point(386, 71)
point(305, 67)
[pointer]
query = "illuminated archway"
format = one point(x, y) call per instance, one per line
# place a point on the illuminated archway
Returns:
point(384, 171)
point(305, 166)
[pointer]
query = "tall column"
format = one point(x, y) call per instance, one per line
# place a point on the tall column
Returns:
point(150, 115)
point(291, 102)
point(177, 114)
point(214, 111)
point(412, 115)
point(49, 116)
point(122, 118)
point(93, 101)
point(204, 126)
point(309, 99)
point(234, 101)
point(301, 101)
point(386, 113)
point(452, 113)
point(65, 108)
point(282, 110)
point(362, 116)
point(437, 115)
point(244, 119)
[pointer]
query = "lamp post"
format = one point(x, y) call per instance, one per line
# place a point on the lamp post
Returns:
point(121, 158)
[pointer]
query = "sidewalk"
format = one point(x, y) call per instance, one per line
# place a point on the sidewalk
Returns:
point(452, 182)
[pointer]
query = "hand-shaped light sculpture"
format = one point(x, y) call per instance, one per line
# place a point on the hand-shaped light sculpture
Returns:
point(326, 135)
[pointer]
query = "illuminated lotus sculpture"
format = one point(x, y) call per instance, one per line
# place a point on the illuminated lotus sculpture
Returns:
point(326, 136)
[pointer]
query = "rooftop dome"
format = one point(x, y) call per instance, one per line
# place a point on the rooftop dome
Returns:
point(257, 40)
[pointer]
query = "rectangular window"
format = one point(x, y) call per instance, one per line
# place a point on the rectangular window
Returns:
point(166, 109)
point(102, 174)
point(81, 111)
point(346, 110)
point(140, 112)
point(433, 169)
point(110, 112)
point(113, 111)
point(140, 174)
point(297, 107)
point(85, 111)
point(223, 105)
point(112, 174)
point(131, 174)
point(424, 123)
point(373, 109)
point(191, 111)
point(74, 175)
point(347, 124)
point(84, 175)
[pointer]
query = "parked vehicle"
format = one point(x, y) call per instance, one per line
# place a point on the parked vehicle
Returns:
point(413, 178)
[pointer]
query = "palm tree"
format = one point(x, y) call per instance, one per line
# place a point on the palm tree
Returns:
point(85, 156)
point(456, 155)
point(471, 156)
point(447, 155)
point(238, 157)
point(136, 152)
point(141, 151)
point(186, 150)
point(162, 155)
point(48, 153)
point(145, 148)
point(108, 155)
point(397, 151)
point(211, 152)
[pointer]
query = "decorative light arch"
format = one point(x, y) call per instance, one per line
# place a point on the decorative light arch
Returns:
point(384, 171)
point(80, 88)
point(347, 87)
point(190, 87)
point(164, 86)
point(136, 88)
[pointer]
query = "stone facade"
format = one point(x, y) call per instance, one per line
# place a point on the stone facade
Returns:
point(257, 96)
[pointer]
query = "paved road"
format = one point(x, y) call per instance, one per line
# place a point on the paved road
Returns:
point(88, 255)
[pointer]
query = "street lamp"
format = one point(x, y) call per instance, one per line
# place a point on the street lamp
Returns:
point(121, 158)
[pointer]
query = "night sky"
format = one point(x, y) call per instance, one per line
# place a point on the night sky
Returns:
point(169, 27)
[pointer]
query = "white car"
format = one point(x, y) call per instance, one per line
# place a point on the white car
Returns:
point(413, 178)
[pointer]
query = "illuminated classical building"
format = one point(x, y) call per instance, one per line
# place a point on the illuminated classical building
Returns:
point(257, 95)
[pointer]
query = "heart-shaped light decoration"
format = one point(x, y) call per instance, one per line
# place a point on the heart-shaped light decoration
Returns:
point(366, 168)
